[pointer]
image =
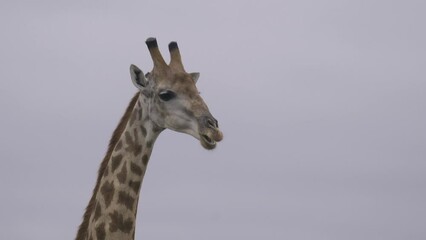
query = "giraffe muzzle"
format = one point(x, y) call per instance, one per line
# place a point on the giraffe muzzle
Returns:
point(209, 132)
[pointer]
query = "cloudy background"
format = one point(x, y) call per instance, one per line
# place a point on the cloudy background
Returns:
point(322, 103)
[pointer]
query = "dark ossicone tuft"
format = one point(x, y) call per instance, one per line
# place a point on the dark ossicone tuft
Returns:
point(151, 42)
point(172, 46)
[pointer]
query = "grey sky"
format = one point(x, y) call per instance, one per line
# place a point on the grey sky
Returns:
point(322, 104)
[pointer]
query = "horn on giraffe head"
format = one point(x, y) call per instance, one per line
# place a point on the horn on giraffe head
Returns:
point(158, 60)
point(175, 58)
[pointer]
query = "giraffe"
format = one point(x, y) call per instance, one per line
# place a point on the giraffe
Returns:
point(167, 99)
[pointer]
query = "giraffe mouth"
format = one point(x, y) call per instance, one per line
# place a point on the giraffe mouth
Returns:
point(207, 142)
point(209, 132)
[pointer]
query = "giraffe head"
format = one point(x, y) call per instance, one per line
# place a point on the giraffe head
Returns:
point(172, 98)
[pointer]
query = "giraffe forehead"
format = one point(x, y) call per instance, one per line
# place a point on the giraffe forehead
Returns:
point(180, 82)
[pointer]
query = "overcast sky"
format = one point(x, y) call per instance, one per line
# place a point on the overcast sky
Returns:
point(322, 104)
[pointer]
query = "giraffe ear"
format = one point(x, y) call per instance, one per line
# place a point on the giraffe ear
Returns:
point(138, 78)
point(195, 76)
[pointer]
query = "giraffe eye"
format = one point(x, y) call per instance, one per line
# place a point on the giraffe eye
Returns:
point(166, 95)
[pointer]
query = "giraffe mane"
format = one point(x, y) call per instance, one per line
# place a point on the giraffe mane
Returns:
point(82, 230)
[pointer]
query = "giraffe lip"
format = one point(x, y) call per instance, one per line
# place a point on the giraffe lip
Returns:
point(207, 142)
point(208, 139)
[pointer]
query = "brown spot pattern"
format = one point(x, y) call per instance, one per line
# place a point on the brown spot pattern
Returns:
point(106, 172)
point(122, 176)
point(133, 145)
point(98, 212)
point(145, 159)
point(143, 129)
point(119, 223)
point(107, 191)
point(135, 185)
point(119, 145)
point(149, 144)
point(116, 160)
point(125, 199)
point(136, 169)
point(100, 231)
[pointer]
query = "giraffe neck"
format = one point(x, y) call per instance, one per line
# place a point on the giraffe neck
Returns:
point(115, 198)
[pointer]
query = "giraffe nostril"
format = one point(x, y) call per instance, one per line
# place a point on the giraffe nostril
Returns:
point(212, 123)
point(209, 122)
